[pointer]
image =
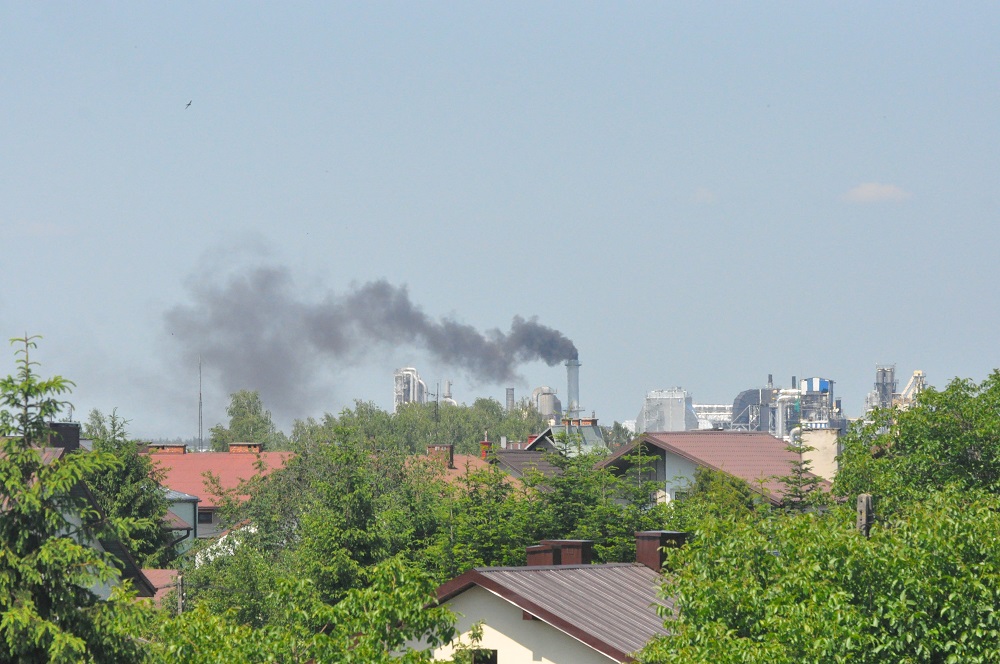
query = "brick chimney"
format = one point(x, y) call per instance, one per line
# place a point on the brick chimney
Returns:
point(167, 448)
point(244, 448)
point(565, 552)
point(649, 546)
point(443, 451)
point(485, 447)
point(543, 554)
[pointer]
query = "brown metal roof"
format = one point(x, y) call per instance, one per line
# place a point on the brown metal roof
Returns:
point(518, 462)
point(755, 457)
point(611, 608)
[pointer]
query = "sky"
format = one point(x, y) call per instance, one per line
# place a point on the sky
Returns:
point(691, 194)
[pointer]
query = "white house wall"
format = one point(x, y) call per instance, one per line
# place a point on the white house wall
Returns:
point(516, 640)
point(676, 473)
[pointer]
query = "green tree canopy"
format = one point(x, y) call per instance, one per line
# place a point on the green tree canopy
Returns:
point(249, 422)
point(950, 436)
point(129, 493)
point(49, 568)
point(811, 588)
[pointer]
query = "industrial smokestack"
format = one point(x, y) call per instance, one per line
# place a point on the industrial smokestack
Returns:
point(510, 399)
point(573, 388)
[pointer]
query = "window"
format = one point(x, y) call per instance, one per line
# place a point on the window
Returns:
point(204, 516)
point(482, 656)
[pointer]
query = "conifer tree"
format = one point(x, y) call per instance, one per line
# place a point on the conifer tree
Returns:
point(50, 574)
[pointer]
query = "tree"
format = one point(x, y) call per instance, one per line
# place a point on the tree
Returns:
point(375, 624)
point(129, 493)
point(800, 485)
point(49, 571)
point(810, 588)
point(950, 436)
point(249, 422)
point(716, 494)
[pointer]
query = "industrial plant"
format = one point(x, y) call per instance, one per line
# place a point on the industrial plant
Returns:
point(808, 406)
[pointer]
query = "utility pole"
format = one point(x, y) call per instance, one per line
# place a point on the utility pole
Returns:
point(180, 593)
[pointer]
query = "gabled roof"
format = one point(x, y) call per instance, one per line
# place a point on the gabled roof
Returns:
point(590, 438)
point(755, 457)
point(186, 472)
point(611, 607)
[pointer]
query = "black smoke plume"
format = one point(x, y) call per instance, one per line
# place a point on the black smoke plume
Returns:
point(256, 333)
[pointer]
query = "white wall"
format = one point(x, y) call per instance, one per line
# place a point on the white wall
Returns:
point(517, 641)
point(676, 473)
point(826, 447)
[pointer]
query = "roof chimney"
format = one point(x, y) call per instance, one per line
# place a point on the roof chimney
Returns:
point(244, 448)
point(650, 545)
point(167, 448)
point(543, 554)
point(444, 451)
point(484, 448)
point(572, 552)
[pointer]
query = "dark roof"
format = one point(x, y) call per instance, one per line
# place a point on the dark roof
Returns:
point(755, 457)
point(589, 437)
point(518, 462)
point(611, 607)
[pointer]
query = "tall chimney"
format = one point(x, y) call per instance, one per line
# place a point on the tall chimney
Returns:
point(510, 399)
point(573, 388)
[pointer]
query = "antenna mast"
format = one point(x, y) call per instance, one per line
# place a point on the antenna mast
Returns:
point(201, 440)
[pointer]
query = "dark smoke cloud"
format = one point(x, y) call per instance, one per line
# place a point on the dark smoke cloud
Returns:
point(256, 333)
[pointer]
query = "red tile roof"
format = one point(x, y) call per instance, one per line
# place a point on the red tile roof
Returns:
point(186, 472)
point(755, 457)
point(162, 579)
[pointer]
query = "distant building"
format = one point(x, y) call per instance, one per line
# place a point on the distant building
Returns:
point(667, 410)
point(546, 402)
point(408, 388)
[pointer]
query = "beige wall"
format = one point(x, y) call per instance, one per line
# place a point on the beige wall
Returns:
point(824, 457)
point(517, 641)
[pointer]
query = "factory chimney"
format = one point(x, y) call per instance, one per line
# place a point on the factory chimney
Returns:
point(573, 388)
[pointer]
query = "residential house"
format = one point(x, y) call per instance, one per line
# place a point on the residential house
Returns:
point(755, 457)
point(187, 473)
point(560, 608)
point(576, 434)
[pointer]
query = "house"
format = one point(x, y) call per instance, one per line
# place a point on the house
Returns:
point(185, 474)
point(560, 608)
point(182, 518)
point(580, 433)
point(757, 458)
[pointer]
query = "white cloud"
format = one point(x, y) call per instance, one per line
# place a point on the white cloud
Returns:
point(703, 195)
point(875, 192)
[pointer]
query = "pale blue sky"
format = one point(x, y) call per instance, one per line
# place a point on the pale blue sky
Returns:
point(696, 194)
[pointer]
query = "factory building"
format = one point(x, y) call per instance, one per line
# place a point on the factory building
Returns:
point(408, 388)
point(809, 405)
point(667, 410)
